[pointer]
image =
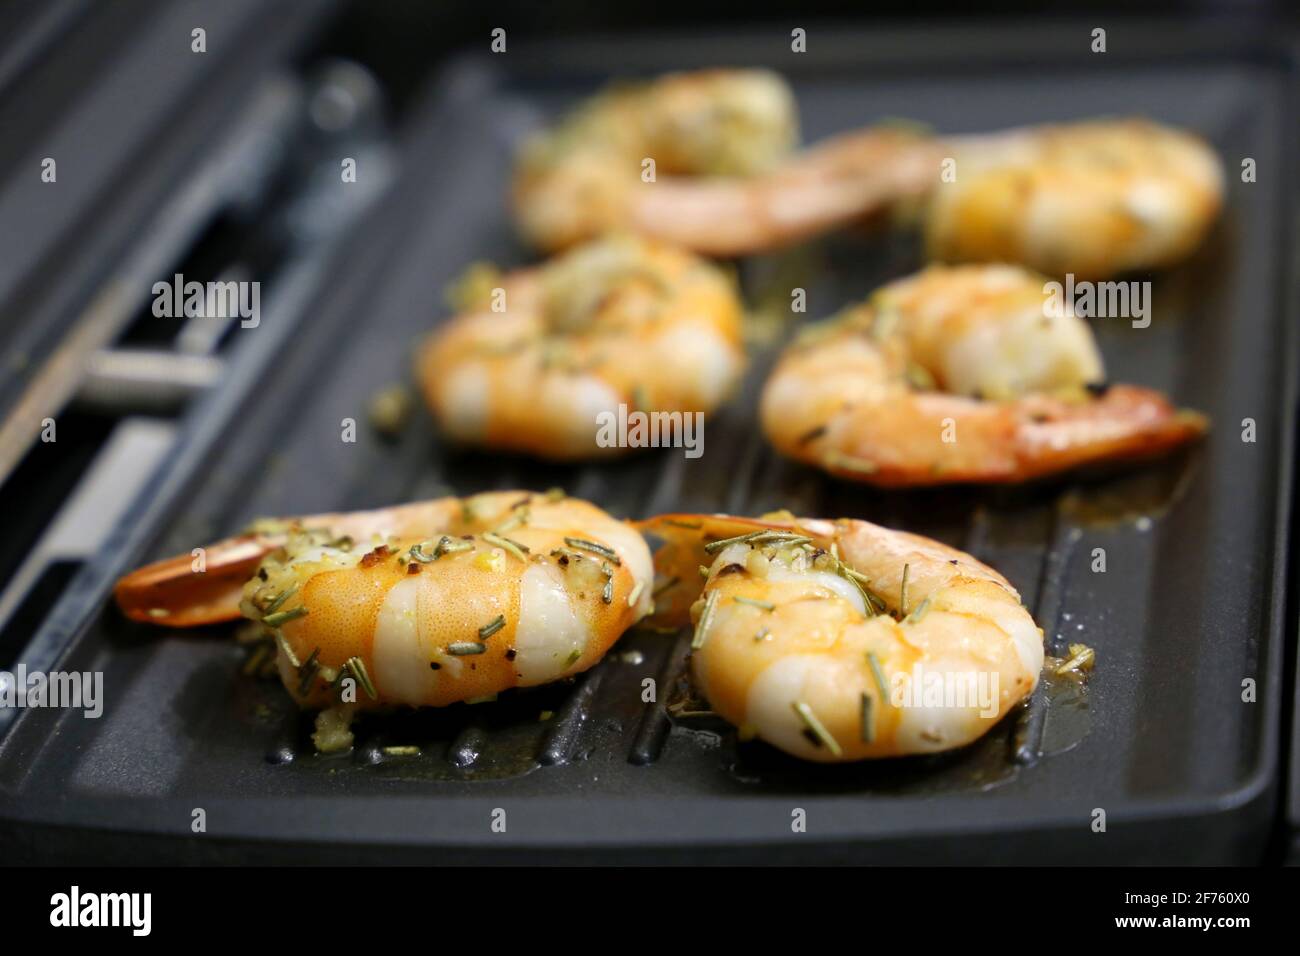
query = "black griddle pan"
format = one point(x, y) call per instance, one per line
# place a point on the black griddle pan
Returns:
point(1189, 607)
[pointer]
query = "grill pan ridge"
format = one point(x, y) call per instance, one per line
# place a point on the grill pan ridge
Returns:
point(1190, 603)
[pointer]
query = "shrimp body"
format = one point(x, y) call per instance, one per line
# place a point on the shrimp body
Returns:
point(582, 178)
point(839, 641)
point(1092, 198)
point(464, 613)
point(726, 179)
point(467, 598)
point(619, 321)
point(959, 374)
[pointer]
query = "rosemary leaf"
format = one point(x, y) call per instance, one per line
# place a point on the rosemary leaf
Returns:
point(282, 617)
point(706, 618)
point(466, 648)
point(878, 673)
point(358, 669)
point(582, 544)
point(817, 728)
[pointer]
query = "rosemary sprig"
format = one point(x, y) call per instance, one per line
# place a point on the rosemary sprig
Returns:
point(466, 648)
point(282, 617)
point(514, 547)
point(308, 671)
point(878, 673)
point(817, 728)
point(582, 544)
point(449, 545)
point(919, 611)
point(848, 574)
point(757, 538)
point(288, 650)
point(868, 732)
point(279, 600)
point(706, 618)
point(357, 667)
point(713, 547)
point(1082, 659)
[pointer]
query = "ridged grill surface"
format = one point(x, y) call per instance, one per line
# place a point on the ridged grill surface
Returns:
point(1178, 618)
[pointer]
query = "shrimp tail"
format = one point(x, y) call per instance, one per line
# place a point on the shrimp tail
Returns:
point(191, 590)
point(843, 180)
point(205, 586)
point(1128, 423)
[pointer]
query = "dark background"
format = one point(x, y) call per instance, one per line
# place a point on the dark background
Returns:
point(413, 34)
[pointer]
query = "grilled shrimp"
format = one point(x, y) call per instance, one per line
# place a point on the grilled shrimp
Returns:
point(959, 374)
point(1091, 198)
point(842, 640)
point(726, 182)
point(425, 604)
point(619, 321)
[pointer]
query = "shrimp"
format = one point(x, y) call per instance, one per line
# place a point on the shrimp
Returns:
point(726, 180)
point(1091, 198)
point(579, 180)
point(617, 322)
point(842, 640)
point(960, 374)
point(444, 601)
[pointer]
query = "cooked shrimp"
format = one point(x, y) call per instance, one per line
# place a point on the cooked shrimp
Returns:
point(960, 374)
point(619, 321)
point(445, 601)
point(725, 182)
point(839, 641)
point(1091, 198)
point(579, 180)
